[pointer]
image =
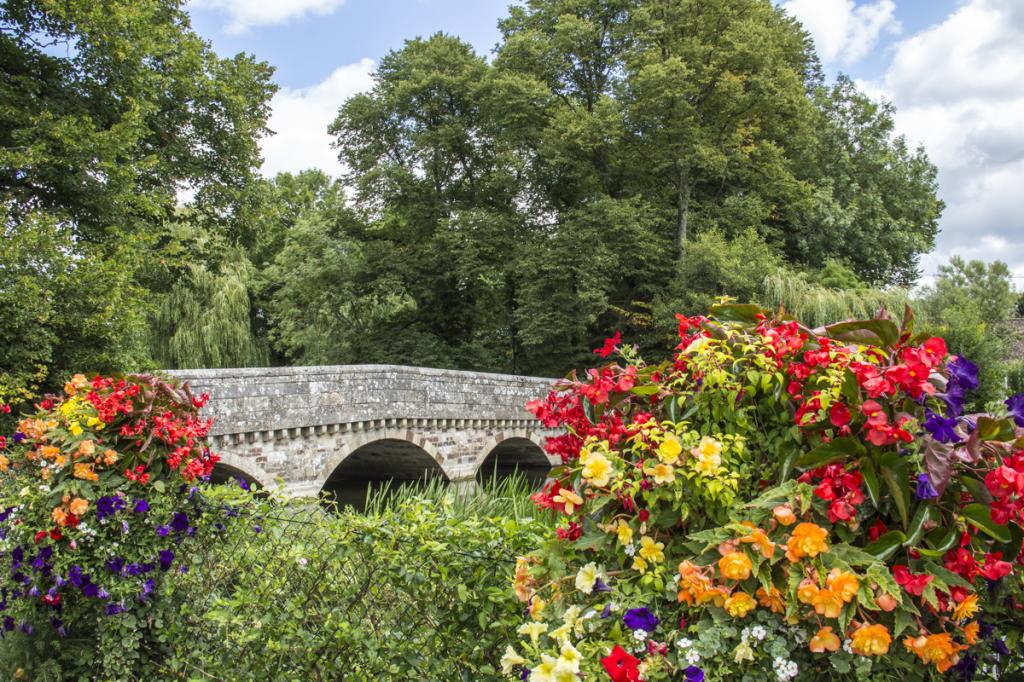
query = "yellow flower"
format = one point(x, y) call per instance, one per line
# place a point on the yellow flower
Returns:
point(743, 652)
point(545, 670)
point(639, 565)
point(534, 630)
point(843, 584)
point(827, 603)
point(510, 660)
point(569, 498)
point(651, 550)
point(537, 607)
point(871, 640)
point(807, 591)
point(83, 470)
point(966, 609)
point(75, 428)
point(624, 532)
point(735, 566)
point(95, 423)
point(939, 649)
point(669, 449)
point(739, 604)
point(709, 447)
point(824, 640)
point(597, 470)
point(569, 658)
point(586, 578)
point(662, 473)
point(78, 506)
point(808, 539)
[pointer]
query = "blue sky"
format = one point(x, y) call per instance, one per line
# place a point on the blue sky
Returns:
point(953, 68)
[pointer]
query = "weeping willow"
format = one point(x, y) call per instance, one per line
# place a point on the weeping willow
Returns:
point(205, 321)
point(816, 305)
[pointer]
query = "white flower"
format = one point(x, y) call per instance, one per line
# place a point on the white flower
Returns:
point(569, 660)
point(848, 646)
point(586, 578)
point(692, 657)
point(629, 549)
point(639, 635)
point(758, 632)
point(684, 643)
point(510, 660)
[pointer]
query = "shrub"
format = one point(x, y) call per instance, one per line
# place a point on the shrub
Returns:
point(772, 503)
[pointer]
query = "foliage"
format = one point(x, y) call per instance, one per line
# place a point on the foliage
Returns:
point(97, 516)
point(774, 502)
point(818, 304)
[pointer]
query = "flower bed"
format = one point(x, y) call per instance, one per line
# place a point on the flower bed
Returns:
point(776, 503)
point(98, 510)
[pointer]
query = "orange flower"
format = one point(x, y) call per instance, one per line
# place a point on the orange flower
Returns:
point(78, 381)
point(694, 586)
point(739, 604)
point(807, 591)
point(86, 448)
point(522, 583)
point(843, 584)
point(939, 649)
point(824, 640)
point(871, 640)
point(78, 506)
point(83, 470)
point(886, 602)
point(827, 603)
point(109, 457)
point(735, 566)
point(771, 601)
point(4, 463)
point(808, 540)
point(784, 515)
point(59, 516)
point(966, 609)
point(759, 539)
point(971, 632)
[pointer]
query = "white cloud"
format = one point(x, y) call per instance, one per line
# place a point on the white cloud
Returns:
point(957, 87)
point(300, 117)
point(245, 14)
point(843, 31)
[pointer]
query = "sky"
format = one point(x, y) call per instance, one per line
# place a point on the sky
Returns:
point(954, 70)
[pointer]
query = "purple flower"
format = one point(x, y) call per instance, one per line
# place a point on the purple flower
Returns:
point(242, 483)
point(694, 674)
point(140, 507)
point(27, 628)
point(1015, 404)
point(113, 609)
point(6, 513)
point(599, 586)
point(999, 646)
point(115, 565)
point(179, 522)
point(166, 559)
point(606, 611)
point(641, 619)
point(183, 568)
point(33, 591)
point(162, 531)
point(108, 506)
point(19, 436)
point(964, 373)
point(925, 489)
point(75, 576)
point(942, 429)
point(524, 674)
point(147, 589)
point(8, 623)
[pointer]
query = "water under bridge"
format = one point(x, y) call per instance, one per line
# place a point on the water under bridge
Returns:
point(342, 429)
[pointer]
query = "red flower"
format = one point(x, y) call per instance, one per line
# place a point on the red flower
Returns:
point(621, 666)
point(839, 414)
point(644, 515)
point(911, 582)
point(877, 530)
point(995, 568)
point(55, 534)
point(571, 533)
point(609, 345)
point(6, 409)
point(875, 413)
point(40, 536)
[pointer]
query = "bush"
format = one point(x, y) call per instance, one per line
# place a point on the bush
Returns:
point(772, 503)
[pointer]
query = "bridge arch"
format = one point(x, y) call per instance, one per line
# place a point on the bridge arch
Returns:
point(231, 465)
point(508, 453)
point(373, 461)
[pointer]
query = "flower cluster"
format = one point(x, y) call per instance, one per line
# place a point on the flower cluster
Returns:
point(96, 498)
point(822, 485)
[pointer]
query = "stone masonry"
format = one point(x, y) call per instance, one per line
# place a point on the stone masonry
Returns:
point(299, 425)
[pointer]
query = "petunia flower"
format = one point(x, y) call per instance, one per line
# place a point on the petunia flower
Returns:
point(693, 674)
point(925, 489)
point(941, 428)
point(1015, 405)
point(641, 619)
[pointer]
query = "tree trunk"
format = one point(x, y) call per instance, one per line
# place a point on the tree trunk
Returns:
point(682, 211)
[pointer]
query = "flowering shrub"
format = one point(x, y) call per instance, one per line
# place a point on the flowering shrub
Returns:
point(776, 503)
point(96, 511)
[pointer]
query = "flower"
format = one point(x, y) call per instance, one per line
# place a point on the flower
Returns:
point(871, 640)
point(669, 449)
point(759, 539)
point(693, 674)
point(941, 428)
point(625, 532)
point(784, 515)
point(824, 640)
point(651, 550)
point(597, 470)
point(641, 619)
point(141, 506)
point(522, 582)
point(569, 500)
point(966, 608)
point(735, 566)
point(662, 473)
point(586, 577)
point(708, 454)
point(827, 603)
point(620, 666)
point(914, 583)
point(739, 604)
point(510, 660)
point(609, 346)
point(925, 489)
point(771, 600)
point(808, 540)
point(939, 649)
point(839, 415)
point(843, 584)
point(533, 629)
point(78, 506)
point(1015, 406)
point(971, 632)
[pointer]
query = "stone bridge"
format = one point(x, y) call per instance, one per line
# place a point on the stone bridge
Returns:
point(340, 429)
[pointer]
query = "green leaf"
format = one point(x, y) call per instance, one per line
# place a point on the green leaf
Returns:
point(787, 464)
point(645, 389)
point(981, 518)
point(737, 312)
point(833, 451)
point(885, 546)
point(673, 409)
point(977, 489)
point(867, 470)
point(940, 541)
point(1001, 430)
point(870, 332)
point(899, 485)
point(589, 411)
point(925, 513)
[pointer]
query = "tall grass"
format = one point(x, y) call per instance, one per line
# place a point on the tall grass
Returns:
point(816, 305)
